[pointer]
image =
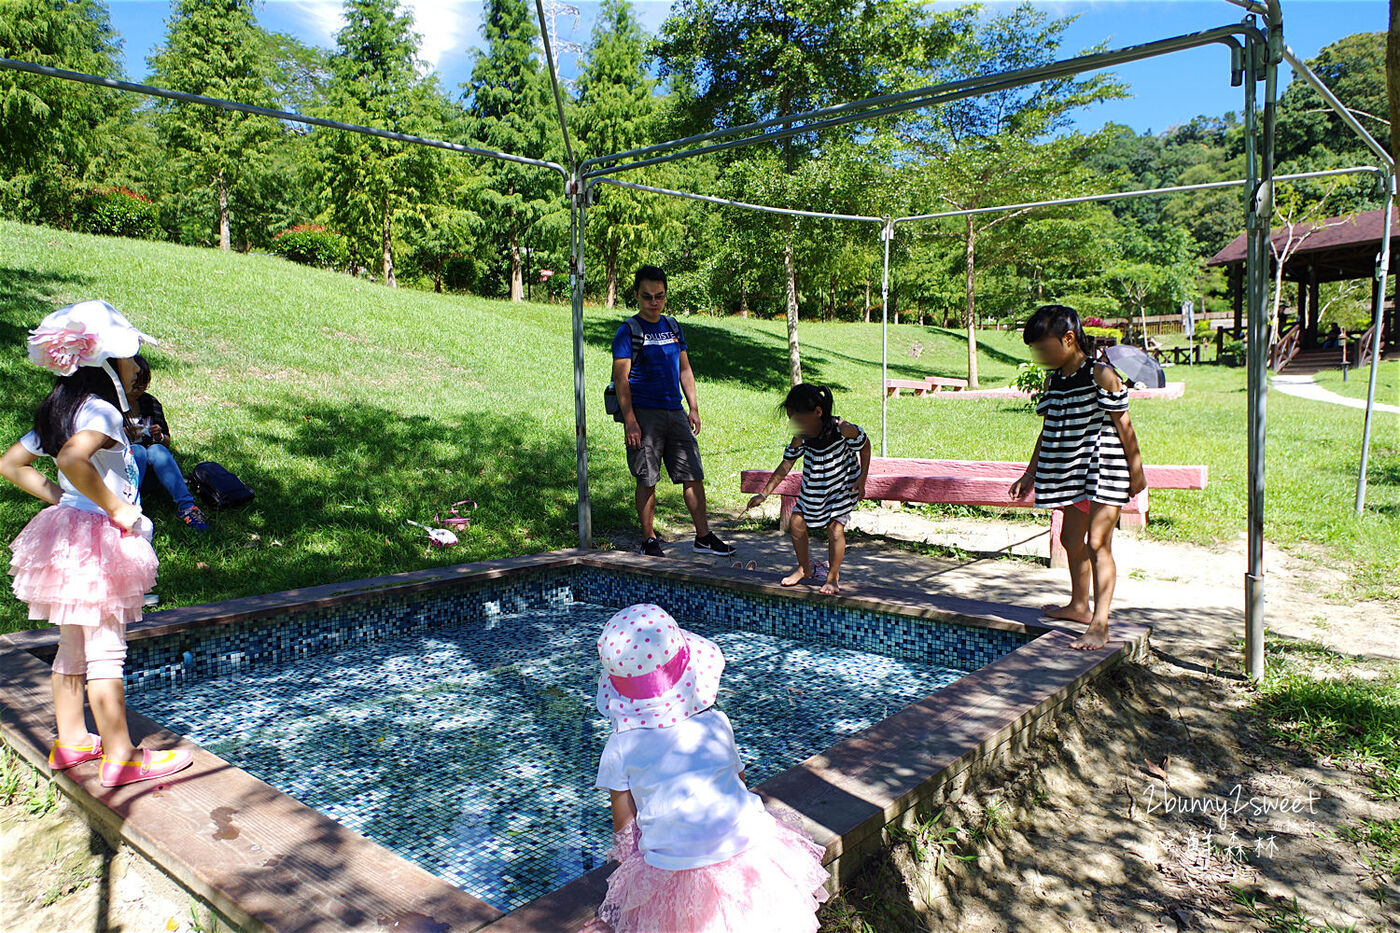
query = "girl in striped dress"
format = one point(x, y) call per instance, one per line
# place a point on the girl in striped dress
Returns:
point(836, 462)
point(1086, 462)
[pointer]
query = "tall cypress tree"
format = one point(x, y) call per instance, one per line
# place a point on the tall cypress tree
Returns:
point(214, 48)
point(375, 83)
point(511, 109)
point(50, 130)
point(615, 111)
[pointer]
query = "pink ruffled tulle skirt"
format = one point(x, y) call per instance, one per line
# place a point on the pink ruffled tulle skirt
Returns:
point(773, 886)
point(77, 568)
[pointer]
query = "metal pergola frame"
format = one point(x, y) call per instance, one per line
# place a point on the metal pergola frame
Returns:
point(1255, 54)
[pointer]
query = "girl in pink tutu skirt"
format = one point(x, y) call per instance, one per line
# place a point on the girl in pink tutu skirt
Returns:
point(85, 562)
point(697, 852)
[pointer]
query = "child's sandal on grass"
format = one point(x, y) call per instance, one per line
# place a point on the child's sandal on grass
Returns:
point(152, 766)
point(62, 757)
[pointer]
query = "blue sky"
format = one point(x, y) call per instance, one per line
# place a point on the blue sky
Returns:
point(1166, 91)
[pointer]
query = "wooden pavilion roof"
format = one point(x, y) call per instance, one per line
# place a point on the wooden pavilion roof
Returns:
point(1337, 248)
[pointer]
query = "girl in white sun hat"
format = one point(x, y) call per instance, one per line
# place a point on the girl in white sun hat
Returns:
point(85, 562)
point(697, 851)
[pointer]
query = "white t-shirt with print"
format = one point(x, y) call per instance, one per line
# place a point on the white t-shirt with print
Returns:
point(692, 808)
point(115, 465)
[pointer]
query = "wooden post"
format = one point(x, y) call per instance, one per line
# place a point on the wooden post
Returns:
point(1313, 315)
point(785, 516)
point(1237, 295)
point(1059, 557)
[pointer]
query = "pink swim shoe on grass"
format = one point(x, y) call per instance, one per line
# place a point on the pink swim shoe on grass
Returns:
point(152, 766)
point(62, 757)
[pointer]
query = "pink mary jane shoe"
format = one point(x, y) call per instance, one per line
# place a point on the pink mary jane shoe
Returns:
point(152, 766)
point(62, 757)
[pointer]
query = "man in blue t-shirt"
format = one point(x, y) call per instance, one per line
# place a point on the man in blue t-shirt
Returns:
point(650, 380)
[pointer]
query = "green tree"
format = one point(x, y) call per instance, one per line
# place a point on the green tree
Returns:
point(511, 108)
point(614, 112)
point(214, 48)
point(997, 148)
point(736, 61)
point(1155, 270)
point(52, 131)
point(1354, 68)
point(375, 82)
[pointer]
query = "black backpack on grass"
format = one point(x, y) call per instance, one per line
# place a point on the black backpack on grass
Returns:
point(634, 323)
point(219, 488)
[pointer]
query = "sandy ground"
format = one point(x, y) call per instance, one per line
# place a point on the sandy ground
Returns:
point(1103, 825)
point(57, 876)
point(1077, 835)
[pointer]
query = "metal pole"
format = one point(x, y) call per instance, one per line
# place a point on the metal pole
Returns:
point(1259, 213)
point(1382, 271)
point(1138, 193)
point(917, 98)
point(554, 82)
point(887, 234)
point(578, 198)
point(1330, 98)
point(151, 91)
point(729, 202)
point(1253, 581)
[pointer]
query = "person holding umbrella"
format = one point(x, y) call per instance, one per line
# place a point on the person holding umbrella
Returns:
point(1086, 462)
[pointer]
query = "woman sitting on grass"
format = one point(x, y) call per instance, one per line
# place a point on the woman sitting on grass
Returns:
point(151, 448)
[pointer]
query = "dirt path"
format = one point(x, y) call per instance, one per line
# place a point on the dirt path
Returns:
point(57, 876)
point(1100, 826)
point(1077, 836)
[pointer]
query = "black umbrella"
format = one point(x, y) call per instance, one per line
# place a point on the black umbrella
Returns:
point(1135, 366)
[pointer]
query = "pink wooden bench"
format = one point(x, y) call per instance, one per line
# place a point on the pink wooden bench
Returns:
point(973, 482)
point(923, 386)
point(917, 386)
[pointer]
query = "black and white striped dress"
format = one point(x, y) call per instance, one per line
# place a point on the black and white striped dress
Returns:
point(1081, 454)
point(830, 467)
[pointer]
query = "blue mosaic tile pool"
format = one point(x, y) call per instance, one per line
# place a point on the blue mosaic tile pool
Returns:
point(459, 730)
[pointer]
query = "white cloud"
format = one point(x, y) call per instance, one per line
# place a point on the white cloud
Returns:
point(320, 18)
point(446, 27)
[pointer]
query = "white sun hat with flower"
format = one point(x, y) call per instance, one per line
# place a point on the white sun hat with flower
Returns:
point(89, 333)
point(655, 673)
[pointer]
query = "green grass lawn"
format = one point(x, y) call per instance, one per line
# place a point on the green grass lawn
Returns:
point(351, 408)
point(1355, 384)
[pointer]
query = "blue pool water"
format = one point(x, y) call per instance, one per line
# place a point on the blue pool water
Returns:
point(472, 748)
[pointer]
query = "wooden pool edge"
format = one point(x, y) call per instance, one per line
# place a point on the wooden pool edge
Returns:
point(265, 861)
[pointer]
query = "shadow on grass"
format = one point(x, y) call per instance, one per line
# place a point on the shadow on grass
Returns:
point(722, 354)
point(337, 485)
point(982, 348)
point(25, 297)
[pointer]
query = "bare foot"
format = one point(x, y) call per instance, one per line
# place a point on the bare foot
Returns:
point(830, 587)
point(1070, 613)
point(1096, 637)
point(796, 577)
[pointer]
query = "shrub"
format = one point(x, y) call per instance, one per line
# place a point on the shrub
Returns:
point(118, 212)
point(1103, 334)
point(312, 245)
point(1031, 378)
point(1232, 353)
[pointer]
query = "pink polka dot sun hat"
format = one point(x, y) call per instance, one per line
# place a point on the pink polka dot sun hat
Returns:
point(655, 673)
